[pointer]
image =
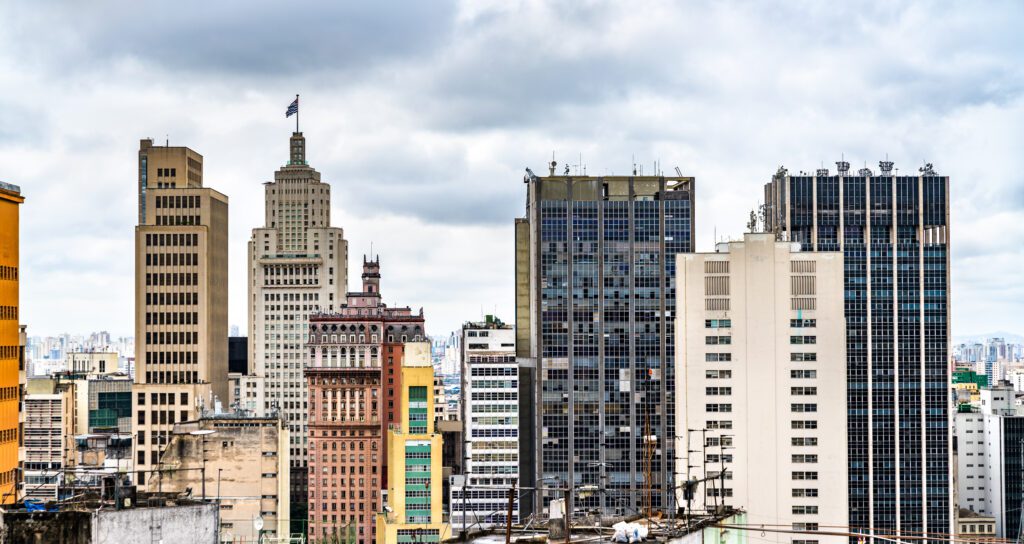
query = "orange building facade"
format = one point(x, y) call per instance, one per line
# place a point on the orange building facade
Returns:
point(11, 356)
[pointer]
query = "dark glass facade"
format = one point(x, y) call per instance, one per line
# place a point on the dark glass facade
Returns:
point(603, 274)
point(893, 233)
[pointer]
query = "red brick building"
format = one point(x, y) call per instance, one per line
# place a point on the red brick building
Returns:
point(354, 382)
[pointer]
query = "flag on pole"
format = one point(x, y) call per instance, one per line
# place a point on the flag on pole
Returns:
point(293, 108)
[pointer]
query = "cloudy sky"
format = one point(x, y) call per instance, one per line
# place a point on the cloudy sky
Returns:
point(422, 116)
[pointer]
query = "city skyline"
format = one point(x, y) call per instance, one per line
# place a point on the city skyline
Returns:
point(396, 124)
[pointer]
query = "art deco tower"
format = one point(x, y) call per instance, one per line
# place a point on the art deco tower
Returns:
point(297, 266)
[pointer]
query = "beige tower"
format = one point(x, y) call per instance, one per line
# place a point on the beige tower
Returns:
point(762, 383)
point(181, 298)
point(297, 267)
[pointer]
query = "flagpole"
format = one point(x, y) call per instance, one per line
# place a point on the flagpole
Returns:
point(296, 113)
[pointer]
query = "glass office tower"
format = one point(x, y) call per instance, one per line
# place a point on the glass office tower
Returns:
point(893, 231)
point(595, 303)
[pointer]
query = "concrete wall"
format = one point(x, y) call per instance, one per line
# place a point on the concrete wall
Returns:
point(192, 524)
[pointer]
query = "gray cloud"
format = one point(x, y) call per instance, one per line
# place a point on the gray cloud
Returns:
point(423, 115)
point(236, 37)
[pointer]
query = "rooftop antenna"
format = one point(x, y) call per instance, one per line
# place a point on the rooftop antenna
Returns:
point(634, 164)
point(167, 141)
point(679, 172)
point(552, 164)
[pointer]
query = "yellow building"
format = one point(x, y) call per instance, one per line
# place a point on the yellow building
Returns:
point(10, 349)
point(413, 509)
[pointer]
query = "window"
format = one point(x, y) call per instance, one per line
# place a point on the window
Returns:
point(805, 492)
point(717, 390)
point(798, 357)
point(717, 323)
point(803, 340)
point(803, 407)
point(717, 374)
point(804, 441)
point(803, 391)
point(717, 357)
point(802, 374)
point(717, 340)
point(804, 458)
point(809, 509)
point(718, 408)
point(801, 475)
point(803, 323)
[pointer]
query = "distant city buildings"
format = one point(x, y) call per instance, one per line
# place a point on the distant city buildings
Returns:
point(181, 303)
point(595, 308)
point(12, 356)
point(490, 400)
point(761, 355)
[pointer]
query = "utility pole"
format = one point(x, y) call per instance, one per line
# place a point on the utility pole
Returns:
point(568, 513)
point(508, 518)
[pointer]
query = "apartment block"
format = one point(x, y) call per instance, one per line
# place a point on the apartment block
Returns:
point(595, 313)
point(761, 359)
point(893, 231)
point(413, 512)
point(490, 401)
point(49, 442)
point(181, 300)
point(354, 380)
point(297, 267)
point(12, 358)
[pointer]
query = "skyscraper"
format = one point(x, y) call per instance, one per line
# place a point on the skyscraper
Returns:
point(297, 266)
point(893, 231)
point(181, 298)
point(762, 361)
point(595, 306)
point(11, 352)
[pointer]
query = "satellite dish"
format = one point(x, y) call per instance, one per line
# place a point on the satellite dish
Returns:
point(258, 523)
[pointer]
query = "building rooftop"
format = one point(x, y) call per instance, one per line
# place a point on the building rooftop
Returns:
point(10, 188)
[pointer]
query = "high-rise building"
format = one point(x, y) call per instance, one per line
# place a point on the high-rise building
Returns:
point(595, 306)
point(12, 357)
point(354, 379)
point(893, 231)
point(490, 401)
point(413, 512)
point(761, 361)
point(244, 462)
point(990, 446)
point(181, 299)
point(297, 267)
